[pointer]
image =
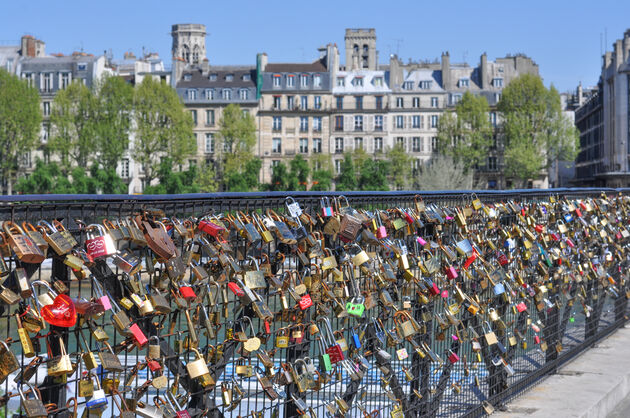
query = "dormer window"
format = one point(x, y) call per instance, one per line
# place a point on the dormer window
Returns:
point(291, 80)
point(304, 80)
point(408, 85)
point(497, 82)
point(357, 81)
point(464, 82)
point(247, 77)
point(212, 77)
point(192, 94)
point(377, 81)
point(341, 81)
point(277, 80)
point(317, 80)
point(425, 84)
point(229, 77)
point(187, 77)
point(209, 94)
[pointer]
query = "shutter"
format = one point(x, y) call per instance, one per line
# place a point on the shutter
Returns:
point(370, 123)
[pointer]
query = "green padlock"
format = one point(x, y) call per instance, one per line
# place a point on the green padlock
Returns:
point(324, 359)
point(356, 307)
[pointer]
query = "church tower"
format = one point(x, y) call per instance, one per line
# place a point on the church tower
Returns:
point(189, 42)
point(361, 49)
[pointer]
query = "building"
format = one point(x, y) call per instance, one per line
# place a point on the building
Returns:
point(604, 123)
point(294, 108)
point(134, 69)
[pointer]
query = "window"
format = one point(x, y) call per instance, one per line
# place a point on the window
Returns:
point(82, 66)
point(227, 94)
point(407, 85)
point(46, 107)
point(456, 98)
point(276, 145)
point(229, 77)
point(357, 81)
point(210, 117)
point(65, 80)
point(434, 121)
point(209, 145)
point(9, 64)
point(193, 113)
point(497, 82)
point(464, 82)
point(277, 80)
point(492, 164)
point(415, 121)
point(493, 119)
point(276, 102)
point(209, 94)
point(497, 97)
point(359, 102)
point(29, 77)
point(358, 123)
point(377, 81)
point(318, 102)
point(399, 102)
point(378, 144)
point(415, 102)
point(48, 82)
point(339, 100)
point(317, 80)
point(338, 167)
point(338, 145)
point(378, 122)
point(291, 80)
point(338, 123)
point(434, 143)
point(358, 143)
point(379, 102)
point(400, 122)
point(304, 102)
point(227, 147)
point(124, 168)
point(243, 94)
point(303, 123)
point(304, 80)
point(274, 163)
point(303, 145)
point(425, 84)
point(341, 81)
point(317, 145)
point(187, 77)
point(317, 124)
point(415, 144)
point(247, 77)
point(212, 77)
point(192, 94)
point(277, 123)
point(415, 165)
point(434, 102)
point(290, 102)
point(245, 112)
point(45, 133)
point(400, 141)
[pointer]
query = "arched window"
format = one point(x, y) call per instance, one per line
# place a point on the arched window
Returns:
point(356, 48)
point(186, 53)
point(196, 55)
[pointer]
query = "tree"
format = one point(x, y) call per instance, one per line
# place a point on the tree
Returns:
point(466, 134)
point(442, 172)
point(347, 180)
point(399, 167)
point(279, 179)
point(246, 179)
point(535, 130)
point(163, 127)
point(206, 179)
point(20, 123)
point(73, 125)
point(298, 178)
point(374, 175)
point(113, 110)
point(171, 182)
point(322, 177)
point(238, 135)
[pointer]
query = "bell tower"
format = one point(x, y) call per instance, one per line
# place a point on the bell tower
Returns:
point(189, 42)
point(361, 51)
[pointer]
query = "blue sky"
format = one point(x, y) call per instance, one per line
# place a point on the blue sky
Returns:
point(563, 37)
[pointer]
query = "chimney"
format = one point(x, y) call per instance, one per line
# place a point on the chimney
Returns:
point(263, 59)
point(31, 47)
point(446, 71)
point(395, 72)
point(580, 94)
point(626, 45)
point(484, 71)
point(618, 54)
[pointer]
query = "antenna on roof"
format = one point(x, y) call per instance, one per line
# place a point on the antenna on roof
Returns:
point(398, 42)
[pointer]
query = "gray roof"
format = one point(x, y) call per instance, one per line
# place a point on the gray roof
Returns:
point(198, 79)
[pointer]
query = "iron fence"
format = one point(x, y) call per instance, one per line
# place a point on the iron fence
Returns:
point(420, 385)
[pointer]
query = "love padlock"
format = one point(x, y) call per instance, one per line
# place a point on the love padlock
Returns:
point(356, 307)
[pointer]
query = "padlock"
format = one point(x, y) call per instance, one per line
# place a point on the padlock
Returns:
point(356, 306)
point(8, 362)
point(33, 408)
point(381, 231)
point(109, 360)
point(197, 367)
point(452, 357)
point(98, 243)
point(98, 398)
point(326, 207)
point(23, 246)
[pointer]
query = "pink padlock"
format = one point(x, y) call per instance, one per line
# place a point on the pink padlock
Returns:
point(381, 232)
point(421, 241)
point(451, 273)
point(453, 357)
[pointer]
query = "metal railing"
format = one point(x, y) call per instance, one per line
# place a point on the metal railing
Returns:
point(430, 389)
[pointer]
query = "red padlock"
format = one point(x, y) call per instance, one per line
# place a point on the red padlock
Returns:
point(503, 260)
point(578, 213)
point(570, 243)
point(451, 273)
point(409, 218)
point(138, 335)
point(521, 306)
point(539, 228)
point(99, 243)
point(210, 228)
point(470, 260)
point(453, 357)
point(335, 353)
point(154, 365)
point(187, 293)
point(236, 289)
point(536, 339)
point(433, 288)
point(305, 301)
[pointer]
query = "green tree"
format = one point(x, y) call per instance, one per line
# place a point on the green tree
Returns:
point(347, 179)
point(73, 125)
point(298, 178)
point(442, 172)
point(535, 130)
point(279, 178)
point(174, 182)
point(20, 123)
point(113, 113)
point(163, 127)
point(374, 175)
point(207, 179)
point(466, 134)
point(322, 177)
point(399, 167)
point(238, 135)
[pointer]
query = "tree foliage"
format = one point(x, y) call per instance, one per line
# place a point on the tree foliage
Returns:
point(535, 130)
point(207, 179)
point(20, 123)
point(238, 136)
point(374, 175)
point(279, 178)
point(347, 179)
point(399, 167)
point(466, 134)
point(322, 177)
point(163, 127)
point(442, 172)
point(298, 176)
point(171, 182)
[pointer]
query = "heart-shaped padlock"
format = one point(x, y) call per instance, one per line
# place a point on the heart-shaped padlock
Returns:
point(61, 313)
